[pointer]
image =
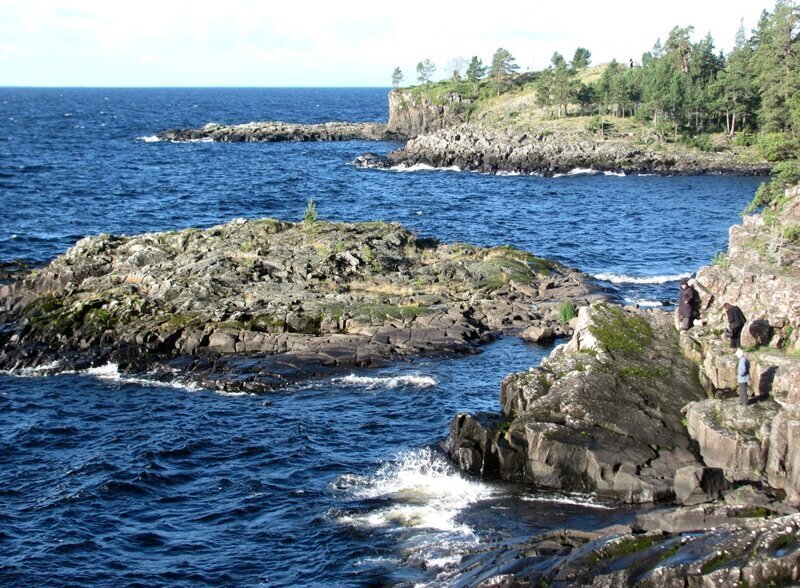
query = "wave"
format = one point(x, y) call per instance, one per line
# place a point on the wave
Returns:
point(110, 372)
point(625, 279)
point(149, 139)
point(425, 491)
point(387, 382)
point(618, 174)
point(418, 167)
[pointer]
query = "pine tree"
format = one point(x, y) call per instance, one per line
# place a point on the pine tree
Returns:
point(397, 77)
point(475, 72)
point(425, 71)
point(581, 59)
point(503, 65)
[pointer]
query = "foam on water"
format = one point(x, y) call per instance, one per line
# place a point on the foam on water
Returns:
point(619, 174)
point(149, 139)
point(424, 489)
point(388, 382)
point(624, 279)
point(418, 167)
point(644, 303)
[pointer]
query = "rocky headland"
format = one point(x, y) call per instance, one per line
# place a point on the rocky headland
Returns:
point(253, 304)
point(451, 131)
point(634, 410)
point(477, 147)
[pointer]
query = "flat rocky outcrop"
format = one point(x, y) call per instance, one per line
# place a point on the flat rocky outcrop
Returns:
point(253, 304)
point(602, 414)
point(481, 148)
point(273, 131)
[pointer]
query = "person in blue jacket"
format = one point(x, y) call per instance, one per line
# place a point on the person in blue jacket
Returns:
point(743, 377)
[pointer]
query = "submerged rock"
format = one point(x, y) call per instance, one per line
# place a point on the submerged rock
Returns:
point(253, 304)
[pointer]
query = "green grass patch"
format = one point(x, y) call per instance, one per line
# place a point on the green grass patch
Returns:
point(566, 312)
point(618, 331)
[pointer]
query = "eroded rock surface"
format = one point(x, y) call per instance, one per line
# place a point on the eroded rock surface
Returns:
point(602, 414)
point(476, 147)
point(252, 304)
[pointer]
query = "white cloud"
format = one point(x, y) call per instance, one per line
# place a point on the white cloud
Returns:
point(248, 42)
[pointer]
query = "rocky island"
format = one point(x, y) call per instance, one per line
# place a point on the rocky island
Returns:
point(251, 305)
point(634, 410)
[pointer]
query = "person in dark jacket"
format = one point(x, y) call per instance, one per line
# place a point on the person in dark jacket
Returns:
point(688, 304)
point(736, 323)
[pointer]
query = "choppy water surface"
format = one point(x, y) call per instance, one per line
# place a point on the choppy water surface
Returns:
point(107, 480)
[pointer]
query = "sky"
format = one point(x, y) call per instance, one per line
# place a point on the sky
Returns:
point(327, 43)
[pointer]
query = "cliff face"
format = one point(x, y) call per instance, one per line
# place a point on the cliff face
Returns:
point(412, 114)
point(758, 443)
point(604, 413)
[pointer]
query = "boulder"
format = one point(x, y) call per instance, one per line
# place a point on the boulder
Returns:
point(538, 333)
point(698, 484)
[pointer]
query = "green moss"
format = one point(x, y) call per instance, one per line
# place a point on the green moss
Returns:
point(753, 512)
point(626, 547)
point(638, 371)
point(381, 312)
point(618, 331)
point(715, 563)
point(181, 320)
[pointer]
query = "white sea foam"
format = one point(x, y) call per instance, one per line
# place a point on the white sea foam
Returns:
point(644, 303)
point(149, 139)
point(508, 173)
point(623, 279)
point(418, 167)
point(619, 174)
point(577, 499)
point(110, 372)
point(388, 382)
point(425, 491)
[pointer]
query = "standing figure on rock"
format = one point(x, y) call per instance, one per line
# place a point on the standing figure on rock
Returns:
point(736, 323)
point(743, 377)
point(688, 304)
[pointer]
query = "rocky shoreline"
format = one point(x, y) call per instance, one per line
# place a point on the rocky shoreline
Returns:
point(252, 305)
point(274, 131)
point(439, 135)
point(470, 147)
point(634, 410)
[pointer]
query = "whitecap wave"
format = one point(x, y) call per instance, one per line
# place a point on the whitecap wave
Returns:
point(508, 173)
point(644, 303)
point(425, 491)
point(624, 279)
point(387, 382)
point(149, 139)
point(618, 174)
point(110, 372)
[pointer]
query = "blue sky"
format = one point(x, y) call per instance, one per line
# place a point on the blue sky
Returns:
point(332, 43)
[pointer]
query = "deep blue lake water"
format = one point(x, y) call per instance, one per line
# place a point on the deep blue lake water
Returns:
point(108, 480)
